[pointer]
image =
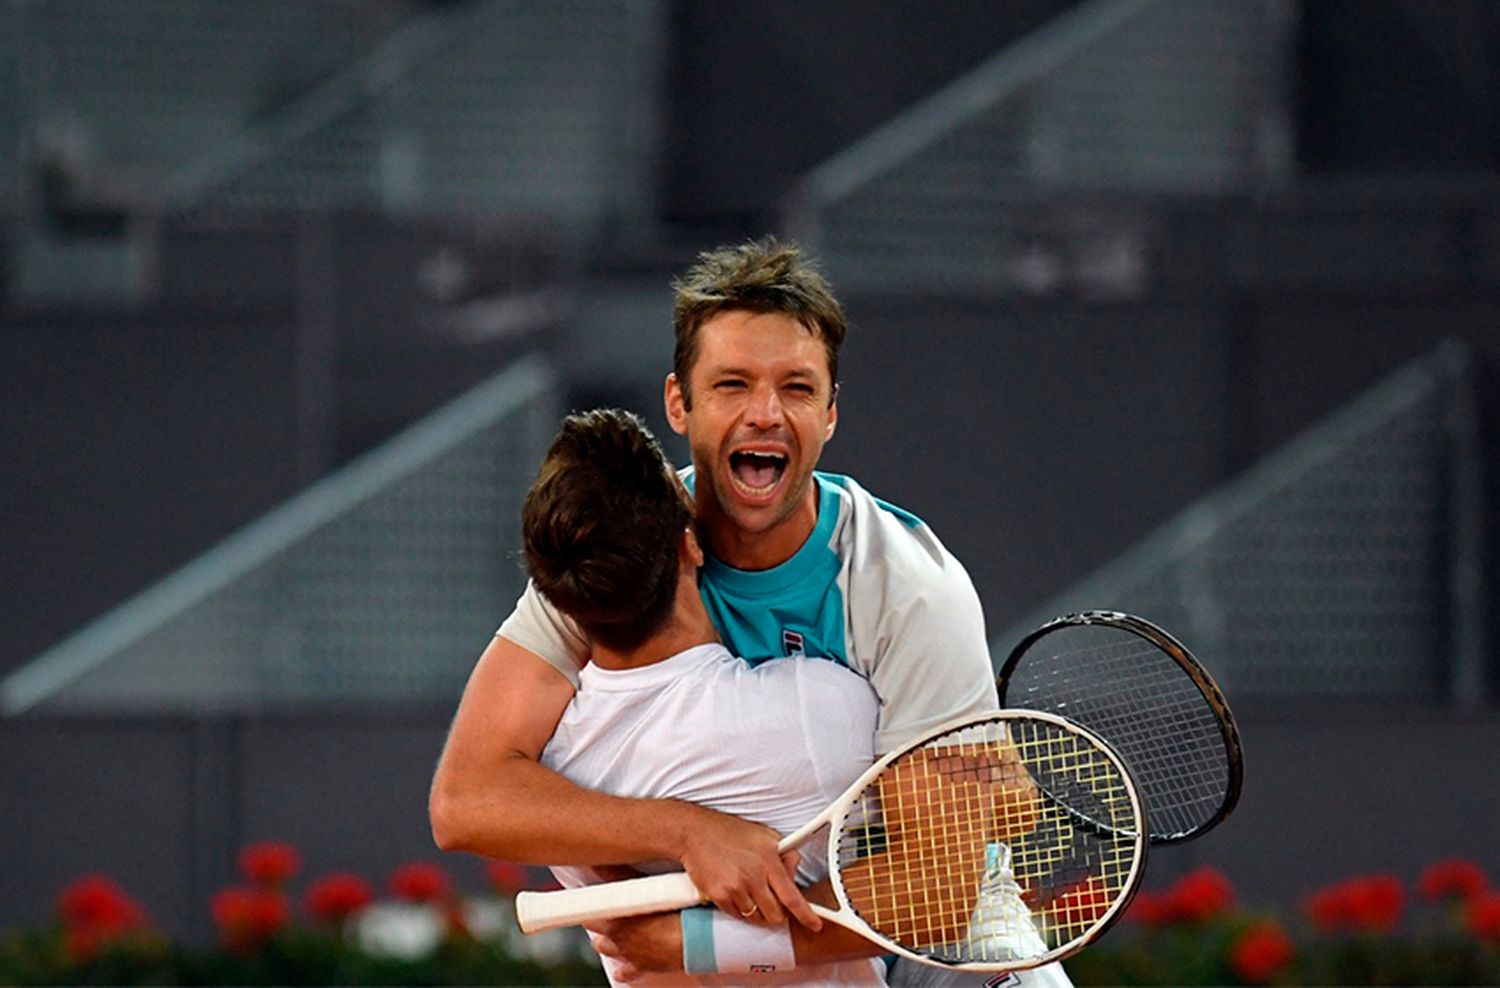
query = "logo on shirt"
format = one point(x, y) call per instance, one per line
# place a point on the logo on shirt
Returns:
point(792, 643)
point(762, 968)
point(1003, 980)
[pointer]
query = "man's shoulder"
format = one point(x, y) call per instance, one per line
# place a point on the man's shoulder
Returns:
point(875, 507)
point(881, 537)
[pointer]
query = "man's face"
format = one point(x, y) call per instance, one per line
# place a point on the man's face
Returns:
point(761, 413)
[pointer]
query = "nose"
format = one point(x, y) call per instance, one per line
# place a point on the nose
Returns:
point(764, 409)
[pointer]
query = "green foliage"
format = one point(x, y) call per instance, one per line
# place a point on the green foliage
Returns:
point(1358, 932)
point(294, 956)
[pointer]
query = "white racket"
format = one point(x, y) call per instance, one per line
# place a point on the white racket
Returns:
point(994, 843)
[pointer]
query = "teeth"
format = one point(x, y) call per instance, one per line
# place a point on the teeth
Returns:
point(757, 462)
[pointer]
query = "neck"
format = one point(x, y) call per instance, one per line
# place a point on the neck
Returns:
point(687, 627)
point(764, 549)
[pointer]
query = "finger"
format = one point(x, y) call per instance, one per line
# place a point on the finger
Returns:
point(749, 911)
point(767, 907)
point(789, 895)
point(606, 947)
point(726, 903)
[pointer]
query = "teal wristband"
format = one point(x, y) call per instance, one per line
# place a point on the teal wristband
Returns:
point(698, 940)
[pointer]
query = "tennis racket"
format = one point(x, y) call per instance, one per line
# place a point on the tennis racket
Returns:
point(1143, 692)
point(994, 843)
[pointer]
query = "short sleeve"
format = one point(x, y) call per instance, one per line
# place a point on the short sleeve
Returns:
point(932, 663)
point(915, 623)
point(538, 627)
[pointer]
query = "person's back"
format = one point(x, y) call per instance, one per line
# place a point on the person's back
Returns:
point(774, 744)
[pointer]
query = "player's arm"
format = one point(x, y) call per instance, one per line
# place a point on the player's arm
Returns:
point(653, 944)
point(491, 796)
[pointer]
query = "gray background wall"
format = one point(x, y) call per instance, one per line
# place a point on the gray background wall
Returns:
point(1040, 436)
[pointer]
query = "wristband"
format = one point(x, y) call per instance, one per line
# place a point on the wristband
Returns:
point(713, 943)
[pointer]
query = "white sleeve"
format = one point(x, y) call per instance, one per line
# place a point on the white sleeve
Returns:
point(933, 665)
point(539, 627)
point(918, 630)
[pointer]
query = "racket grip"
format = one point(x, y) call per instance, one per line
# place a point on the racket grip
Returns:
point(538, 911)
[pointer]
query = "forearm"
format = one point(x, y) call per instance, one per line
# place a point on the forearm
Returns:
point(523, 811)
point(833, 942)
point(654, 943)
point(492, 796)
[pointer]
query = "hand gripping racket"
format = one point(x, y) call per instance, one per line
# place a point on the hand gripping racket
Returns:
point(1144, 693)
point(994, 843)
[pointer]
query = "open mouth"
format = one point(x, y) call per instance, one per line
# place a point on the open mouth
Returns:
point(756, 472)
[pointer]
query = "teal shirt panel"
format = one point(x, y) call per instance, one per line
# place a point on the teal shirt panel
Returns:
point(796, 608)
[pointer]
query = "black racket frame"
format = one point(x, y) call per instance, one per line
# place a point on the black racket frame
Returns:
point(1190, 666)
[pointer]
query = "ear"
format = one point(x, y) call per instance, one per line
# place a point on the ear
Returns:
point(833, 415)
point(690, 551)
point(676, 404)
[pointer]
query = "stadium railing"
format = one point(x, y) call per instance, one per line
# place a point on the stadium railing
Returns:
point(1346, 565)
point(376, 584)
point(1116, 97)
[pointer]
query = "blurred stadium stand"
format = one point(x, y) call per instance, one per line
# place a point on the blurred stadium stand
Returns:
point(292, 294)
point(1349, 564)
point(1127, 95)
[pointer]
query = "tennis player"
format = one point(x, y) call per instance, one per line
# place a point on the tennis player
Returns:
point(665, 711)
point(798, 563)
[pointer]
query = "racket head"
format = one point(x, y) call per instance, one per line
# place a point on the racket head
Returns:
point(947, 854)
point(1145, 693)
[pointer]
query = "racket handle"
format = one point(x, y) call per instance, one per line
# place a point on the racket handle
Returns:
point(538, 911)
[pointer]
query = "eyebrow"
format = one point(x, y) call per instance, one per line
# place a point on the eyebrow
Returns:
point(804, 371)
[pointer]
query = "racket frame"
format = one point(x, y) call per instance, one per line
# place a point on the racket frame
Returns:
point(537, 911)
point(1190, 666)
point(849, 918)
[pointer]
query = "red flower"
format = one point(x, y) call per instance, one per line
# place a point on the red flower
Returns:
point(508, 877)
point(1151, 909)
point(1329, 909)
point(1452, 878)
point(1260, 953)
point(270, 863)
point(1484, 917)
point(1201, 895)
point(419, 882)
point(334, 898)
point(1196, 897)
point(96, 911)
point(96, 902)
point(248, 917)
point(1370, 903)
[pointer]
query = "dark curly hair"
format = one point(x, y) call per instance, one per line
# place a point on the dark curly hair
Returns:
point(601, 527)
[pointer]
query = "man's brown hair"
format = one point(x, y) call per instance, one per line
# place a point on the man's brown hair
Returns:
point(760, 276)
point(602, 524)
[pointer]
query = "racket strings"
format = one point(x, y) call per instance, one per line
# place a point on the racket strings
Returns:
point(1135, 694)
point(978, 860)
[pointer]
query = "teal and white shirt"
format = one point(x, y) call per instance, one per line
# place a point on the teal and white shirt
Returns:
point(872, 588)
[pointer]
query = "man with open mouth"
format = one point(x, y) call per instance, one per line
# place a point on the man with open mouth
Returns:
point(799, 564)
